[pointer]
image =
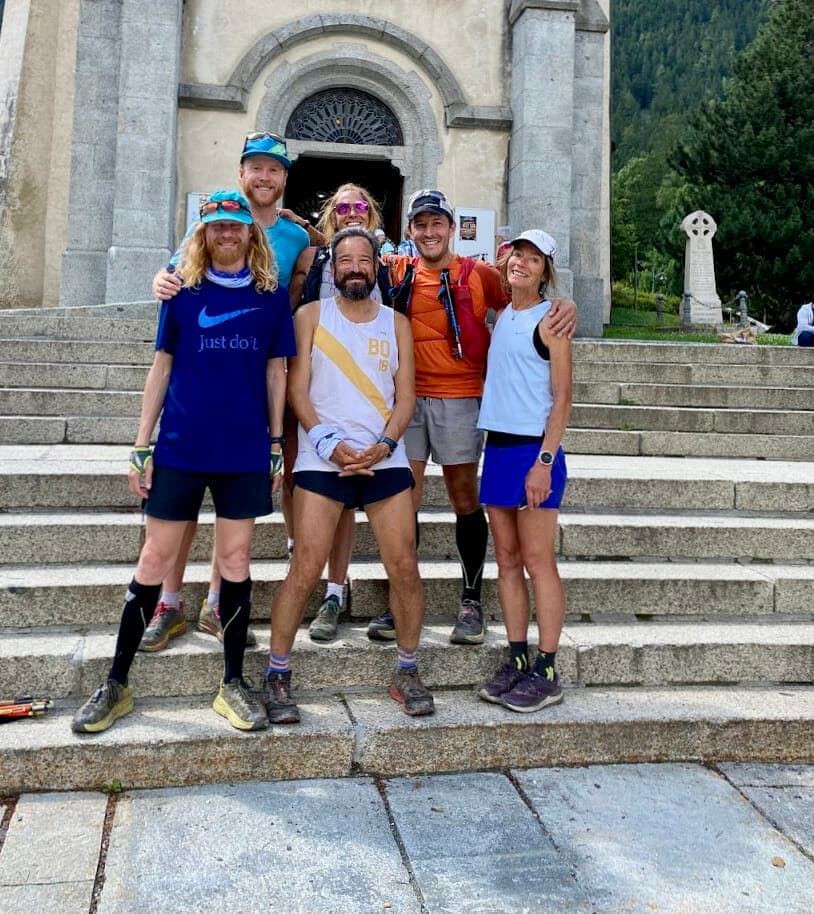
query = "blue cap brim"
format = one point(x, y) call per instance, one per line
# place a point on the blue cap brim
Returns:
point(220, 216)
point(286, 163)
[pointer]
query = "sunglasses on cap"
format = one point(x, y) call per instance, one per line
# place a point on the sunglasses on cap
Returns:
point(360, 206)
point(277, 145)
point(225, 206)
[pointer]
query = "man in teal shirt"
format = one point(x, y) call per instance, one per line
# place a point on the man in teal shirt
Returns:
point(264, 165)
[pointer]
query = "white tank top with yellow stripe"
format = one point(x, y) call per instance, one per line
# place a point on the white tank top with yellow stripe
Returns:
point(352, 387)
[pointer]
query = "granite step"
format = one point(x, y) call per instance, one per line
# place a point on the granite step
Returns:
point(87, 326)
point(173, 742)
point(68, 476)
point(64, 538)
point(688, 444)
point(67, 663)
point(63, 364)
point(614, 351)
point(83, 595)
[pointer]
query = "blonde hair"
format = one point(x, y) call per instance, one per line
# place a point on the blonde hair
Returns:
point(260, 259)
point(327, 216)
point(548, 282)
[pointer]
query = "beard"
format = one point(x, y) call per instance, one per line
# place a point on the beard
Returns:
point(227, 255)
point(354, 286)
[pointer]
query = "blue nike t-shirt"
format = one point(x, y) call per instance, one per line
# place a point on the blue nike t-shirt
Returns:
point(286, 239)
point(215, 416)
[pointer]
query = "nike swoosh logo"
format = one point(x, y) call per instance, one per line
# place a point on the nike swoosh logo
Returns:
point(206, 321)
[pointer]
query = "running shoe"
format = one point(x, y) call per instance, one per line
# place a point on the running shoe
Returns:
point(108, 703)
point(209, 623)
point(167, 622)
point(236, 703)
point(504, 680)
point(382, 628)
point(326, 622)
point(280, 706)
point(408, 689)
point(469, 626)
point(532, 693)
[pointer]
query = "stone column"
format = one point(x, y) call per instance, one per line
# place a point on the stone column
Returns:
point(93, 153)
point(144, 181)
point(587, 261)
point(541, 149)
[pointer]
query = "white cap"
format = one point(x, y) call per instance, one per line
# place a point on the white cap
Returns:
point(544, 243)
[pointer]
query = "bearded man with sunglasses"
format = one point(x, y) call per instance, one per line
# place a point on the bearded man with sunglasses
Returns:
point(449, 384)
point(264, 165)
point(218, 382)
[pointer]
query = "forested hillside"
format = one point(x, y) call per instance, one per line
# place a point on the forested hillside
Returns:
point(668, 55)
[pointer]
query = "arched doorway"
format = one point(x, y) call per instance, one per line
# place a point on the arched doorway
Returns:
point(351, 117)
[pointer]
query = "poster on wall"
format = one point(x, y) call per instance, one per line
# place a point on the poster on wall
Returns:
point(194, 201)
point(475, 233)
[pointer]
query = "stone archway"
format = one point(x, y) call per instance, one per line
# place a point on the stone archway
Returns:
point(354, 66)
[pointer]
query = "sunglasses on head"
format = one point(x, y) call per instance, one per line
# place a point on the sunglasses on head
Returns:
point(262, 135)
point(226, 206)
point(360, 206)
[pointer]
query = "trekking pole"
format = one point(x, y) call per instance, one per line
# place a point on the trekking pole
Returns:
point(23, 706)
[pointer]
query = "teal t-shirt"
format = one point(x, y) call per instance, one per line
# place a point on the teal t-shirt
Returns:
point(286, 239)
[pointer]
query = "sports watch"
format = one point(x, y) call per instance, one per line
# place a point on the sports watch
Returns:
point(546, 458)
point(392, 445)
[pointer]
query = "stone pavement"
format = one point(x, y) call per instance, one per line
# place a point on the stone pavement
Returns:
point(672, 838)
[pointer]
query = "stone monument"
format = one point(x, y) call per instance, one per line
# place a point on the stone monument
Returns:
point(699, 269)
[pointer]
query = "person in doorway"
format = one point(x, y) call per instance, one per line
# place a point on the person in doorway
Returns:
point(351, 386)
point(264, 165)
point(449, 384)
point(218, 377)
point(386, 246)
point(525, 411)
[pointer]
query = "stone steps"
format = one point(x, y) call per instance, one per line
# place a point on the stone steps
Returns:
point(66, 476)
point(179, 741)
point(85, 595)
point(71, 663)
point(59, 538)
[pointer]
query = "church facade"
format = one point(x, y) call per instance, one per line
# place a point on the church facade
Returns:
point(117, 111)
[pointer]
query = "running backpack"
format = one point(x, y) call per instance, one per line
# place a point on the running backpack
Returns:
point(472, 334)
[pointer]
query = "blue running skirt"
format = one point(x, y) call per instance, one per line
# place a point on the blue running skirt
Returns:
point(503, 480)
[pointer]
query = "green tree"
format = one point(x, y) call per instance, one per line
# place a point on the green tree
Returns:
point(748, 160)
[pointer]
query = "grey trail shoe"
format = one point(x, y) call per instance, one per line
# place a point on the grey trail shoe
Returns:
point(469, 626)
point(280, 706)
point(108, 703)
point(408, 689)
point(167, 622)
point(326, 622)
point(382, 628)
point(209, 623)
point(235, 702)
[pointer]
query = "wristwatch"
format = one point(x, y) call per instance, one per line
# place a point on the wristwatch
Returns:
point(389, 442)
point(546, 458)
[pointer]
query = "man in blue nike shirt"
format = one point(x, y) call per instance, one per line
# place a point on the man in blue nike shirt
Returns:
point(218, 383)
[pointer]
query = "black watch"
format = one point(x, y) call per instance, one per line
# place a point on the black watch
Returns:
point(546, 458)
point(392, 445)
point(278, 439)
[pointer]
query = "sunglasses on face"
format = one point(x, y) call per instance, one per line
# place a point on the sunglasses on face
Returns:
point(225, 206)
point(360, 206)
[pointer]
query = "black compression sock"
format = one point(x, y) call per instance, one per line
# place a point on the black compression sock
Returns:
point(544, 664)
point(139, 606)
point(519, 654)
point(471, 536)
point(235, 608)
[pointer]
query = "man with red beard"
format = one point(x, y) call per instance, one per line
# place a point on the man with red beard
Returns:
point(218, 382)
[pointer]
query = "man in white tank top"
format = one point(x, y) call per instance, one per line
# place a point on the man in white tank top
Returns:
point(352, 386)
